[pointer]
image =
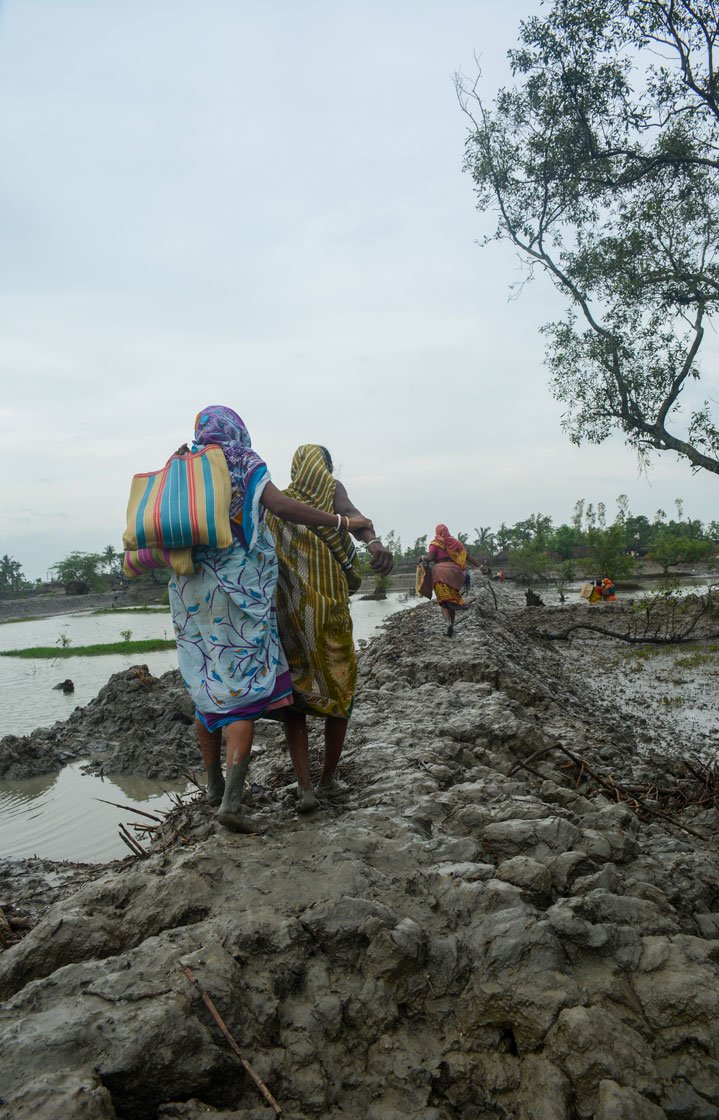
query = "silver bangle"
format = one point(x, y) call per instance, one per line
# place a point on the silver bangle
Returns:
point(376, 540)
point(339, 521)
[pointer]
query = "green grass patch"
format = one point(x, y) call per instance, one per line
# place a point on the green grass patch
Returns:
point(150, 645)
point(644, 653)
point(698, 658)
point(685, 656)
point(132, 610)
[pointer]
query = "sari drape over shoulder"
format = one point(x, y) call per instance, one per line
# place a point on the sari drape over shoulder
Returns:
point(228, 646)
point(312, 599)
point(449, 565)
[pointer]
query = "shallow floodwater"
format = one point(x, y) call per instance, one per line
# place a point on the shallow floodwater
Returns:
point(62, 816)
point(28, 698)
point(65, 816)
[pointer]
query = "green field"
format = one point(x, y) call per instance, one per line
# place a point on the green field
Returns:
point(151, 645)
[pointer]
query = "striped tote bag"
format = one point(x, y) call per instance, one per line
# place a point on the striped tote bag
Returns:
point(141, 560)
point(184, 504)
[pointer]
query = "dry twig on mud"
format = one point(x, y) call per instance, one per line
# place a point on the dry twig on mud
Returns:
point(172, 828)
point(650, 801)
point(264, 1091)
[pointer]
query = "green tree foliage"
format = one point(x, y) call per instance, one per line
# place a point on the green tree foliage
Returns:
point(607, 555)
point(534, 548)
point(112, 559)
point(669, 548)
point(85, 566)
point(601, 165)
point(637, 534)
point(484, 542)
point(564, 541)
point(528, 561)
point(11, 575)
point(419, 548)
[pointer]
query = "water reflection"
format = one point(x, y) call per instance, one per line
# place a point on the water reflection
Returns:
point(65, 816)
point(27, 790)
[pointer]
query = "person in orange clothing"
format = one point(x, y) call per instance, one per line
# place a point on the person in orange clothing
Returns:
point(609, 592)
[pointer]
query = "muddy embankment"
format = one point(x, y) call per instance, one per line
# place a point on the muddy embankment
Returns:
point(456, 938)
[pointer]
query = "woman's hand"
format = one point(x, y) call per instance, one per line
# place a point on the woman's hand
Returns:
point(381, 559)
point(358, 524)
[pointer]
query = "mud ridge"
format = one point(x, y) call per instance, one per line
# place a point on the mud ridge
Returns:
point(454, 939)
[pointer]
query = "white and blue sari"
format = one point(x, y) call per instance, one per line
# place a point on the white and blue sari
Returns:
point(228, 647)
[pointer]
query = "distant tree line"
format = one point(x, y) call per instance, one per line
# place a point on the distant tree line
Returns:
point(95, 569)
point(586, 545)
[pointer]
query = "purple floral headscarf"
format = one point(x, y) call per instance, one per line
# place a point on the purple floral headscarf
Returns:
point(221, 425)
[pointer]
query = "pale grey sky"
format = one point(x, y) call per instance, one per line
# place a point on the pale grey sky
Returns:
point(263, 205)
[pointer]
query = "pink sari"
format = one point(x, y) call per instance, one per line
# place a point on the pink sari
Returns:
point(449, 558)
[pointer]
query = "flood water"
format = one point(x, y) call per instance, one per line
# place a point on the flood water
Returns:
point(63, 816)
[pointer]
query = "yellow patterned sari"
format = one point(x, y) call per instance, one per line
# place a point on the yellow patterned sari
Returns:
point(312, 597)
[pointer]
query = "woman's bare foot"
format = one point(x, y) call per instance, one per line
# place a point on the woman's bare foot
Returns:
point(306, 801)
point(332, 790)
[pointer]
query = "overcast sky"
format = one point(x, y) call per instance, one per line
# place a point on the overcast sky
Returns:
point(263, 205)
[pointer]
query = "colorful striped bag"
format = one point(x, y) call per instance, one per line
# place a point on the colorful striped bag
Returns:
point(184, 504)
point(140, 560)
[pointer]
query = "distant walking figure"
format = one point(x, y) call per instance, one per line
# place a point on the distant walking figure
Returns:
point(599, 591)
point(449, 559)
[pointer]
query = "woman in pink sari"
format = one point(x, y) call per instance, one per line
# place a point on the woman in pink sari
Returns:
point(449, 559)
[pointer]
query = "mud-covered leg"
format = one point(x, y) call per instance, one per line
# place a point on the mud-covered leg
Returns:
point(449, 618)
point(335, 732)
point(298, 746)
point(210, 745)
point(239, 737)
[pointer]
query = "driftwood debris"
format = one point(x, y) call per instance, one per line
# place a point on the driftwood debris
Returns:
point(262, 1088)
point(653, 801)
point(171, 827)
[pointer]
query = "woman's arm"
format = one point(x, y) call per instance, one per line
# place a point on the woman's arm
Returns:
point(288, 509)
point(381, 559)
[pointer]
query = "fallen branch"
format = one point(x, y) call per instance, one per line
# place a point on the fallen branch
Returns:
point(132, 843)
point(619, 794)
point(632, 639)
point(521, 764)
point(265, 1092)
point(659, 620)
point(130, 809)
point(192, 778)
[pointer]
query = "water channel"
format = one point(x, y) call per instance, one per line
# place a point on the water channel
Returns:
point(64, 816)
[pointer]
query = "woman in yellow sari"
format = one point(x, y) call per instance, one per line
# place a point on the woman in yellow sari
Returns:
point(318, 570)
